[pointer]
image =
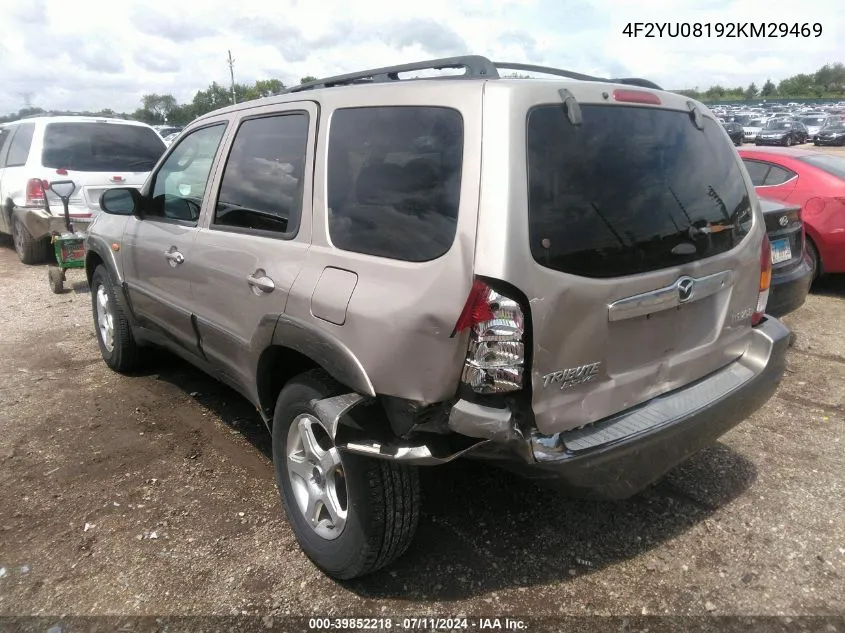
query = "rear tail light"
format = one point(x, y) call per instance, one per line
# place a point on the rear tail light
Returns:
point(765, 281)
point(35, 192)
point(496, 354)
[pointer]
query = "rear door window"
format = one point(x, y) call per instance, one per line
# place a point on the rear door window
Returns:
point(630, 190)
point(262, 184)
point(113, 147)
point(777, 176)
point(757, 171)
point(394, 179)
point(20, 144)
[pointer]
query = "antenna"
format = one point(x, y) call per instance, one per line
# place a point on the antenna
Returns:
point(231, 63)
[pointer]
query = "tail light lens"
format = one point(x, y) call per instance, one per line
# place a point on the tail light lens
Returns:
point(765, 281)
point(36, 192)
point(496, 354)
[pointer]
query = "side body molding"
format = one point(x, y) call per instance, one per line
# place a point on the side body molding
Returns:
point(326, 350)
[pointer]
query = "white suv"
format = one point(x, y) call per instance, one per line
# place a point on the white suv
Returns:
point(96, 153)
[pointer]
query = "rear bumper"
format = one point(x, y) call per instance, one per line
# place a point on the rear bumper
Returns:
point(617, 457)
point(42, 223)
point(789, 290)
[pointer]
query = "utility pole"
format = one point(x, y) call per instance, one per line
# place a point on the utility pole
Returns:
point(27, 99)
point(232, 76)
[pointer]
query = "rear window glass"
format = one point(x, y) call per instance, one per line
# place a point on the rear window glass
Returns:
point(101, 147)
point(833, 165)
point(630, 190)
point(394, 178)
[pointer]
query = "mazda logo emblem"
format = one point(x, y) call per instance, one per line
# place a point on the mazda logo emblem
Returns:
point(685, 286)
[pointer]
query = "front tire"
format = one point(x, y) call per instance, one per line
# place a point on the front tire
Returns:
point(56, 277)
point(350, 514)
point(29, 250)
point(114, 334)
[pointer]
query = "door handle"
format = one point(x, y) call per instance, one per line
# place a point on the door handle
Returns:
point(260, 282)
point(174, 257)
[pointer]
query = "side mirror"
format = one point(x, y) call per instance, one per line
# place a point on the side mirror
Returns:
point(121, 201)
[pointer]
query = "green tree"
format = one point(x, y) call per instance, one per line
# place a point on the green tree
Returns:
point(751, 91)
point(768, 89)
point(715, 92)
point(159, 105)
point(212, 98)
point(307, 79)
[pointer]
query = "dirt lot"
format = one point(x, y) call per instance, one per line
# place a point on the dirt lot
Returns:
point(154, 494)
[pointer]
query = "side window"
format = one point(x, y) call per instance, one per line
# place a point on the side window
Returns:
point(180, 182)
point(20, 144)
point(262, 183)
point(778, 176)
point(757, 171)
point(394, 177)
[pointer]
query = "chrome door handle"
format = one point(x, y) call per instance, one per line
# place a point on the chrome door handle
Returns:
point(174, 257)
point(260, 282)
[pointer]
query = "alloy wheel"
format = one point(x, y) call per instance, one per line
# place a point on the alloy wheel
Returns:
point(105, 318)
point(317, 477)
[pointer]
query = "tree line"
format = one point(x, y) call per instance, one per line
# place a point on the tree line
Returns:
point(164, 108)
point(827, 82)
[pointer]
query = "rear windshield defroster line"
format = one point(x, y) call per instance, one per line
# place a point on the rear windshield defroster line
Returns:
point(630, 190)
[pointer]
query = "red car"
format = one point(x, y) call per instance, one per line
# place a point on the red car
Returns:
point(815, 181)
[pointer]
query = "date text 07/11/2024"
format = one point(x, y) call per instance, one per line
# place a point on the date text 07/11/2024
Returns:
point(722, 29)
point(417, 624)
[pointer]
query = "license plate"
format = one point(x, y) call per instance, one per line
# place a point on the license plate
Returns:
point(781, 251)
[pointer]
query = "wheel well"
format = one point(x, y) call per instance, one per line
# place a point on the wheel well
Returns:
point(808, 239)
point(276, 366)
point(92, 260)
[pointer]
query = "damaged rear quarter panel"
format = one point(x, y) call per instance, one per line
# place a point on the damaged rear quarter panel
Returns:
point(401, 314)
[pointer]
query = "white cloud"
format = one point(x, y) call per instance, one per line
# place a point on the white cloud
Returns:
point(105, 54)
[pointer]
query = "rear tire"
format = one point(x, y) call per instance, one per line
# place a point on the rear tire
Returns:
point(114, 334)
point(30, 251)
point(363, 528)
point(815, 262)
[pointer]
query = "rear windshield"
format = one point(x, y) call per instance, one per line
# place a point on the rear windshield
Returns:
point(101, 147)
point(630, 190)
point(834, 165)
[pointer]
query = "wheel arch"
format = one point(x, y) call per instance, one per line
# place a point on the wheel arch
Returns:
point(297, 347)
point(97, 254)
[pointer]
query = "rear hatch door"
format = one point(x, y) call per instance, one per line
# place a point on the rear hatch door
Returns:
point(645, 249)
point(97, 156)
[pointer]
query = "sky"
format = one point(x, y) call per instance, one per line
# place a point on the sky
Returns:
point(92, 54)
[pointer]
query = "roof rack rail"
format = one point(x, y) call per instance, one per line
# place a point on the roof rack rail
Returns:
point(633, 81)
point(475, 67)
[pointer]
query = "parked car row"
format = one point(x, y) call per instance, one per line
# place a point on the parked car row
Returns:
point(785, 125)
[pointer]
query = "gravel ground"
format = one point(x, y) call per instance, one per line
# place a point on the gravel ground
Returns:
point(154, 494)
